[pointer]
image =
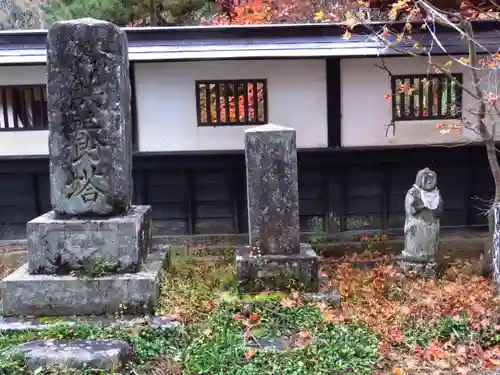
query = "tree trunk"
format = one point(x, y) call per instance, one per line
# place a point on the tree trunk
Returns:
point(491, 255)
point(487, 262)
point(153, 19)
point(492, 245)
point(496, 245)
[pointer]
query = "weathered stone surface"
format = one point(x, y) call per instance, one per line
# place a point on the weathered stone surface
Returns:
point(277, 344)
point(48, 295)
point(163, 322)
point(427, 269)
point(19, 14)
point(110, 355)
point(423, 206)
point(272, 187)
point(256, 273)
point(117, 244)
point(90, 142)
point(331, 298)
point(19, 324)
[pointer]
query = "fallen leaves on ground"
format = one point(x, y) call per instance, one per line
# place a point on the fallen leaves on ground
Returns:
point(250, 353)
point(4, 271)
point(379, 298)
point(386, 302)
point(9, 263)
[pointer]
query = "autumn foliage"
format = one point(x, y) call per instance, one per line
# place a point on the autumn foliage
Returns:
point(243, 12)
point(284, 11)
point(445, 5)
point(241, 105)
point(446, 326)
point(242, 98)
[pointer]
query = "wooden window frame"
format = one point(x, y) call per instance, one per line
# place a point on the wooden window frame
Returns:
point(21, 109)
point(236, 84)
point(458, 77)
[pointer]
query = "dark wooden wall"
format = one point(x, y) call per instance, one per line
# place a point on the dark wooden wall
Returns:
point(205, 194)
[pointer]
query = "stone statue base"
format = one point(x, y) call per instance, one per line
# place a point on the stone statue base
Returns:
point(87, 267)
point(422, 269)
point(257, 273)
point(117, 244)
point(49, 295)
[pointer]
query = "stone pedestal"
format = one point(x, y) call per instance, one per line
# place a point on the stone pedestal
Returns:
point(275, 259)
point(24, 294)
point(427, 269)
point(84, 272)
point(60, 246)
point(277, 272)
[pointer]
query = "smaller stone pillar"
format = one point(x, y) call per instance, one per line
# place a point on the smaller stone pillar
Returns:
point(423, 207)
point(275, 259)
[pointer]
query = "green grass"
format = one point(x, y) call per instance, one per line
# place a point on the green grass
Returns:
point(219, 324)
point(219, 347)
point(202, 294)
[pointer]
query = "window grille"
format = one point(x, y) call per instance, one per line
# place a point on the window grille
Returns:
point(231, 102)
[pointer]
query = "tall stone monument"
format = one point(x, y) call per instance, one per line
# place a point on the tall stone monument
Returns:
point(90, 254)
point(423, 206)
point(274, 259)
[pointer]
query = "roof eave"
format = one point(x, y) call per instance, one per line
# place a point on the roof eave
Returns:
point(238, 31)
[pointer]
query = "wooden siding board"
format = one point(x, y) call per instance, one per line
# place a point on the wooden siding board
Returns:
point(346, 189)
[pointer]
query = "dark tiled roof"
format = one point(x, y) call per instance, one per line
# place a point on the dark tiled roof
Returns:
point(244, 42)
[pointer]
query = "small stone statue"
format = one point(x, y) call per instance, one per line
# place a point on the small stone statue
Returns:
point(423, 206)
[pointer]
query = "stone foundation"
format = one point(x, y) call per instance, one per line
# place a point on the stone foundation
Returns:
point(116, 244)
point(427, 269)
point(277, 272)
point(49, 295)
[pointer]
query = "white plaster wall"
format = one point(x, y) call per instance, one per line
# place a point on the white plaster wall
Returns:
point(365, 111)
point(166, 103)
point(21, 143)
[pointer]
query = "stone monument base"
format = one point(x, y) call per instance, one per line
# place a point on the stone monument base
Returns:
point(117, 244)
point(422, 269)
point(256, 273)
point(50, 295)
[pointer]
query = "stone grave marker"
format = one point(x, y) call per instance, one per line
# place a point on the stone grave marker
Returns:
point(274, 259)
point(91, 254)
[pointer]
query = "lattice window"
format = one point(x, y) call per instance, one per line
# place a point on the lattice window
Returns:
point(426, 97)
point(231, 102)
point(23, 108)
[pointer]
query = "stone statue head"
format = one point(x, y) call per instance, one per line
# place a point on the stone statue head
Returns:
point(426, 179)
